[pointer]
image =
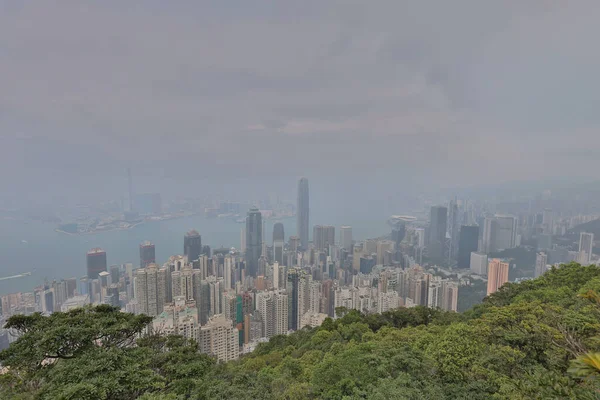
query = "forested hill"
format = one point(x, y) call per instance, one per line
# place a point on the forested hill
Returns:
point(519, 344)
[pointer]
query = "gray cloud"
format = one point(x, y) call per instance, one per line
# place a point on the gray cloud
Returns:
point(455, 92)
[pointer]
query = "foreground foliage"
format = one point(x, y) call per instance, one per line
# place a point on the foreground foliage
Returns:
point(535, 340)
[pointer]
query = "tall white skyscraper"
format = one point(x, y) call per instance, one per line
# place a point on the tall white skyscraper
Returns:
point(586, 246)
point(182, 283)
point(228, 271)
point(449, 296)
point(346, 237)
point(215, 290)
point(273, 309)
point(276, 275)
point(304, 285)
point(150, 289)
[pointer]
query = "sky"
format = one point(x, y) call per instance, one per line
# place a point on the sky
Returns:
point(359, 96)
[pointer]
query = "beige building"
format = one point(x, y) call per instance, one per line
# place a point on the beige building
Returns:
point(219, 338)
point(312, 319)
point(497, 275)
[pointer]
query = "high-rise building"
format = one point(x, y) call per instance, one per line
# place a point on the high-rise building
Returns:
point(276, 273)
point(497, 275)
point(383, 247)
point(150, 289)
point(346, 237)
point(420, 234)
point(489, 235)
point(115, 273)
point(499, 233)
point(586, 246)
point(437, 232)
point(541, 261)
point(220, 338)
point(398, 233)
point(467, 244)
point(192, 245)
point(449, 296)
point(278, 242)
point(147, 254)
point(182, 284)
point(302, 212)
point(479, 263)
point(548, 221)
point(293, 289)
point(453, 230)
point(294, 243)
point(506, 234)
point(243, 239)
point(253, 241)
point(273, 309)
point(178, 318)
point(323, 237)
point(96, 262)
point(229, 272)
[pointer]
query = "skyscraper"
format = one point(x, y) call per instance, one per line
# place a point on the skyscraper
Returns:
point(497, 275)
point(489, 235)
point(96, 262)
point(220, 338)
point(499, 233)
point(294, 243)
point(278, 242)
point(302, 212)
point(150, 289)
point(293, 292)
point(192, 245)
point(346, 237)
point(323, 237)
point(479, 263)
point(453, 229)
point(273, 308)
point(147, 254)
point(468, 241)
point(506, 233)
point(398, 233)
point(586, 246)
point(437, 231)
point(253, 240)
point(541, 261)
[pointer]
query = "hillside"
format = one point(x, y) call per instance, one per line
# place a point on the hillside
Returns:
point(591, 227)
point(518, 344)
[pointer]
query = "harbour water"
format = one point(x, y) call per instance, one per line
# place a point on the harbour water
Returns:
point(36, 247)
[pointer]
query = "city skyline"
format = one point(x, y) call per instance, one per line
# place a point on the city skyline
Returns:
point(318, 199)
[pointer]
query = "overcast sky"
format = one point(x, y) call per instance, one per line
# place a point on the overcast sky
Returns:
point(446, 92)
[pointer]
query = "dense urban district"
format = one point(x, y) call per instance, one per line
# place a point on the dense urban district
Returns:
point(470, 302)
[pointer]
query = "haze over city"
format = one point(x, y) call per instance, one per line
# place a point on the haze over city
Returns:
point(299, 200)
point(258, 94)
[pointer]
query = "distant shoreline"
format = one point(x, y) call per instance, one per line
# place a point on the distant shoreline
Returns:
point(98, 231)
